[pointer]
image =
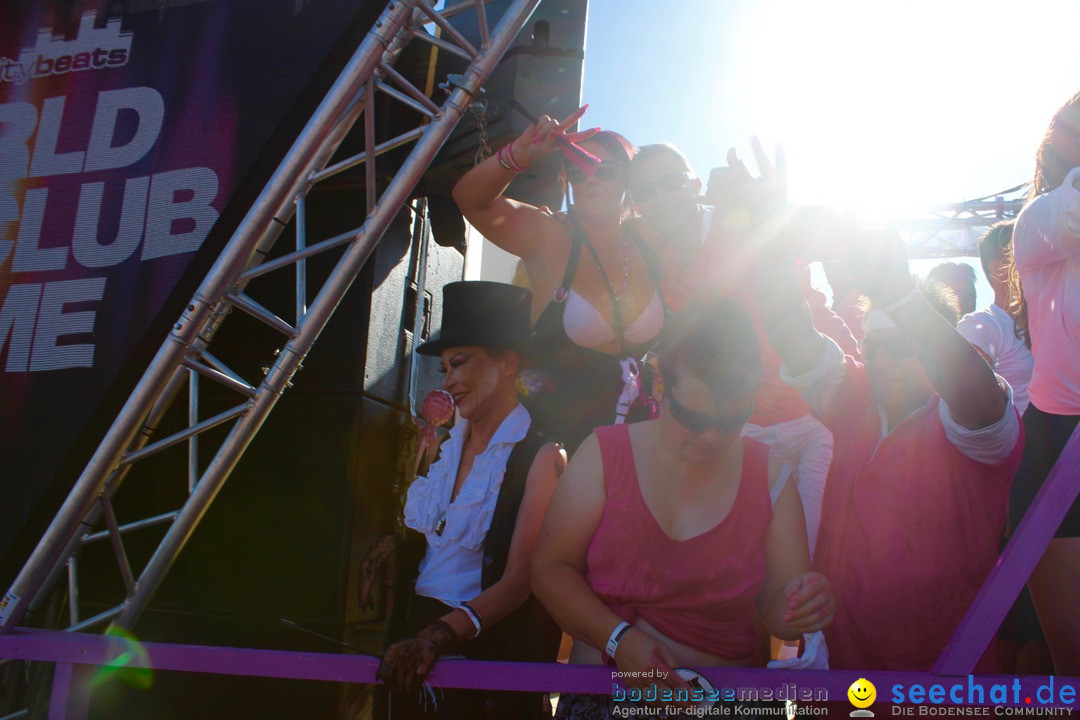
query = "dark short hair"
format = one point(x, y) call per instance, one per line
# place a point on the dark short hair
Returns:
point(993, 245)
point(950, 272)
point(647, 152)
point(715, 341)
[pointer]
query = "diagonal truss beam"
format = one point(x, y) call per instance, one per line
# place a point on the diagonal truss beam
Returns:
point(184, 355)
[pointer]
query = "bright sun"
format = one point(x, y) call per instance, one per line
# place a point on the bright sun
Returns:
point(886, 107)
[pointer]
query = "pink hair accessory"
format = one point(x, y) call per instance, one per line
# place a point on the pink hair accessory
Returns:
point(579, 156)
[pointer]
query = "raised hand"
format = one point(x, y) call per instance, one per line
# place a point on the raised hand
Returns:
point(542, 137)
point(736, 185)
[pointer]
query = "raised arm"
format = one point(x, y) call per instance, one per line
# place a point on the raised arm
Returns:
point(787, 319)
point(955, 368)
point(1048, 228)
point(514, 226)
point(957, 371)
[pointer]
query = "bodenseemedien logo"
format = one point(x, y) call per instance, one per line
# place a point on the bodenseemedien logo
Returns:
point(704, 699)
point(91, 49)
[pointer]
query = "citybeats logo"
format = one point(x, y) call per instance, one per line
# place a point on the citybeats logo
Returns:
point(91, 49)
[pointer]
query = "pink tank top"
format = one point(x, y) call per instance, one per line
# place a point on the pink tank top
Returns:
point(699, 591)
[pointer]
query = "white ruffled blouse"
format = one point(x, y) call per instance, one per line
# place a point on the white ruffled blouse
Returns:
point(452, 565)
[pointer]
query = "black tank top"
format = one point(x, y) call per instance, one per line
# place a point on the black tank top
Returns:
point(571, 390)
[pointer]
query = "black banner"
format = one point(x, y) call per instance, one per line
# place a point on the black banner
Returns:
point(130, 134)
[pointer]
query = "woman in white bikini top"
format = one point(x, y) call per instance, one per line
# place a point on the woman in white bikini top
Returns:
point(589, 316)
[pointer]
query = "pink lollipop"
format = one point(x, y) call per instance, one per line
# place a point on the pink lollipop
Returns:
point(436, 411)
point(438, 407)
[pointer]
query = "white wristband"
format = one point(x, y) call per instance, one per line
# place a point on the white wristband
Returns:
point(474, 616)
point(616, 635)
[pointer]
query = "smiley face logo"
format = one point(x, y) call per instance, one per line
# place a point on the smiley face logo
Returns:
point(862, 693)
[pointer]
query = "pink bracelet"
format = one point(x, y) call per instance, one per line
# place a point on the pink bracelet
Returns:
point(506, 159)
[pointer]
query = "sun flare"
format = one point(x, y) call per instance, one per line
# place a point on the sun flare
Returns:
point(882, 108)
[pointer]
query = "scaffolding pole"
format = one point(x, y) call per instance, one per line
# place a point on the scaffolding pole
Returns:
point(186, 347)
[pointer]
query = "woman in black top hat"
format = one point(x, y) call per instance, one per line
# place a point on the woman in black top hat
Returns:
point(474, 520)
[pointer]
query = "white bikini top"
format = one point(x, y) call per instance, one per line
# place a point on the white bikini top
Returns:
point(585, 325)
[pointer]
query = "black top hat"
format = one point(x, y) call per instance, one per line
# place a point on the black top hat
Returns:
point(483, 314)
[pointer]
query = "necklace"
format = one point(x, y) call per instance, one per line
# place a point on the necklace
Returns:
point(581, 236)
point(624, 265)
point(624, 244)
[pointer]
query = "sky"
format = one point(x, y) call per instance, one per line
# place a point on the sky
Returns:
point(881, 108)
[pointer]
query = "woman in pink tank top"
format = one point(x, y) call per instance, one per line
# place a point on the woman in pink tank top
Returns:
point(663, 540)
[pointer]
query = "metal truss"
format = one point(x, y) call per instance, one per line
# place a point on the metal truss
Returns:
point(954, 229)
point(185, 358)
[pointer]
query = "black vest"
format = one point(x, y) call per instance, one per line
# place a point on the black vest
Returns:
point(526, 634)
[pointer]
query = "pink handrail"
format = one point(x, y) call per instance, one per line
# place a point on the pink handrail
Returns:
point(72, 649)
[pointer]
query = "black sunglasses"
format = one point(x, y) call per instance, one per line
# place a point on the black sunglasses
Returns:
point(644, 192)
point(697, 422)
point(895, 346)
point(604, 172)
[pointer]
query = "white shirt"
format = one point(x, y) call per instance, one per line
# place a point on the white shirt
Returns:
point(451, 568)
point(991, 330)
point(989, 445)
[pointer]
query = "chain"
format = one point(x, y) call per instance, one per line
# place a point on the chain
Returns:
point(483, 149)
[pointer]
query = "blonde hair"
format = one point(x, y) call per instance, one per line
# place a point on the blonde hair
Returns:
point(521, 275)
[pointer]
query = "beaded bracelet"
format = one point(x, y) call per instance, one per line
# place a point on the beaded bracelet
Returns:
point(506, 159)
